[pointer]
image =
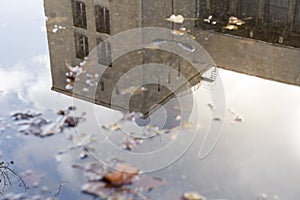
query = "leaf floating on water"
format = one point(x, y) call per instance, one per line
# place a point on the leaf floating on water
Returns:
point(35, 127)
point(193, 196)
point(72, 108)
point(262, 196)
point(208, 20)
point(114, 127)
point(188, 125)
point(24, 115)
point(176, 19)
point(186, 46)
point(217, 119)
point(69, 87)
point(131, 142)
point(178, 118)
point(238, 118)
point(133, 90)
point(71, 121)
point(235, 21)
point(122, 175)
point(210, 105)
point(230, 27)
point(39, 126)
point(83, 155)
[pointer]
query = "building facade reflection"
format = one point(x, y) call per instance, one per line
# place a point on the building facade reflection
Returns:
point(77, 36)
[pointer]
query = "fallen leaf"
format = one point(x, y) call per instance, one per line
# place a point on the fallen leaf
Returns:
point(176, 19)
point(238, 118)
point(122, 175)
point(193, 196)
point(131, 142)
point(71, 121)
point(187, 125)
point(24, 115)
point(230, 27)
point(114, 127)
point(235, 21)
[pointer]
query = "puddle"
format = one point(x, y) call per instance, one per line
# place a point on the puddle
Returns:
point(76, 127)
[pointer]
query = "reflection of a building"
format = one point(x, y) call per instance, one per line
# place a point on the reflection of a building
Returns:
point(75, 28)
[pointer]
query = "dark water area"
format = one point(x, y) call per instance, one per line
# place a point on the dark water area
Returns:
point(256, 157)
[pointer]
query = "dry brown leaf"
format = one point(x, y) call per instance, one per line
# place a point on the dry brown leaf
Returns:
point(123, 174)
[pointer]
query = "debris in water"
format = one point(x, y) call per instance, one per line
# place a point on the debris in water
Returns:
point(35, 127)
point(238, 118)
point(131, 90)
point(230, 27)
point(131, 142)
point(177, 32)
point(24, 115)
point(83, 155)
point(71, 121)
point(280, 39)
point(114, 127)
point(186, 46)
point(174, 136)
point(217, 119)
point(176, 19)
point(178, 118)
point(40, 126)
point(232, 111)
point(235, 21)
point(69, 87)
point(208, 20)
point(159, 41)
point(57, 28)
point(122, 175)
point(188, 125)
point(262, 196)
point(210, 105)
point(193, 196)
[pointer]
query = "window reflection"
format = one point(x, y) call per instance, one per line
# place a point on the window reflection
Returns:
point(102, 19)
point(79, 14)
point(81, 45)
point(104, 52)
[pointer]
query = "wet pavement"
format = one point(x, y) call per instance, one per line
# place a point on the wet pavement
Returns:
point(52, 145)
